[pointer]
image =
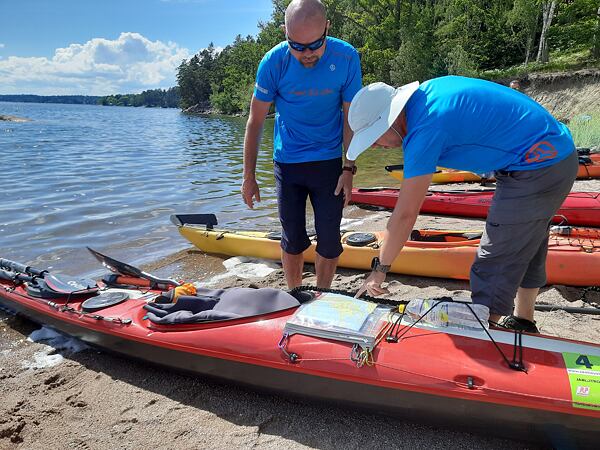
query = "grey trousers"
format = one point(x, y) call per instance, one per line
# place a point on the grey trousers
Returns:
point(514, 245)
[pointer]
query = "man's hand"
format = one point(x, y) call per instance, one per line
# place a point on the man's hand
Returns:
point(250, 191)
point(372, 285)
point(345, 184)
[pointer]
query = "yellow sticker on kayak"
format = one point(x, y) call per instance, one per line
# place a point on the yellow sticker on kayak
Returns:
point(584, 378)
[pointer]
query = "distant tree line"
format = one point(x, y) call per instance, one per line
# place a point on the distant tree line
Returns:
point(167, 98)
point(72, 99)
point(163, 98)
point(406, 40)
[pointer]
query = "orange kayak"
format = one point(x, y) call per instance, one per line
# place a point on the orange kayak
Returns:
point(589, 167)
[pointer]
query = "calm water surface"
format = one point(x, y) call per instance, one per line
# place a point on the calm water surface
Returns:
point(109, 177)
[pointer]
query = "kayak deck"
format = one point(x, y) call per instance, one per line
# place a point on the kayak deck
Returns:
point(429, 373)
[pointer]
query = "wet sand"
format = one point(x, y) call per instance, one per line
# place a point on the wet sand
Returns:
point(95, 400)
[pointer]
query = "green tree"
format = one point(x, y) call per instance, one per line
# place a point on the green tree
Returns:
point(232, 92)
point(415, 59)
point(523, 21)
point(195, 77)
point(574, 25)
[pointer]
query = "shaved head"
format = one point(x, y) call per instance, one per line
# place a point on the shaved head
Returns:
point(301, 12)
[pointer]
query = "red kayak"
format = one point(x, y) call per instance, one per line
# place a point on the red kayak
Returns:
point(579, 208)
point(532, 387)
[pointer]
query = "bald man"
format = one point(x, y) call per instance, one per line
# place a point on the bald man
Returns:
point(312, 79)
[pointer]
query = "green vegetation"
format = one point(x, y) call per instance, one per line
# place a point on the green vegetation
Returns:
point(585, 129)
point(70, 99)
point(406, 40)
point(168, 98)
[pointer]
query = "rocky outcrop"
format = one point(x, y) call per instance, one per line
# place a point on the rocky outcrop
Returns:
point(13, 118)
point(200, 108)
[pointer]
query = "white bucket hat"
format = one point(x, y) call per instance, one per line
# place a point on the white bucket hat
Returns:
point(373, 111)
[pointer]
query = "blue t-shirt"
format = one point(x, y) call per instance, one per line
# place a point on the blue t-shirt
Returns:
point(479, 126)
point(308, 101)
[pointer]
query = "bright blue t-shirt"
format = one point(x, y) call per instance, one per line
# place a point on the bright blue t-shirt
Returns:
point(308, 101)
point(479, 126)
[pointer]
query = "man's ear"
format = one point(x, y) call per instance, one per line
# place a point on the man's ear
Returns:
point(282, 28)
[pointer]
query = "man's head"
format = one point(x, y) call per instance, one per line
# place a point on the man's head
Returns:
point(515, 84)
point(373, 112)
point(306, 29)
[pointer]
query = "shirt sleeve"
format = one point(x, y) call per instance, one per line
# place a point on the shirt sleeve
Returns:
point(354, 80)
point(265, 86)
point(422, 150)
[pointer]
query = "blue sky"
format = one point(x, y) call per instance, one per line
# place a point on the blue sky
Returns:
point(99, 47)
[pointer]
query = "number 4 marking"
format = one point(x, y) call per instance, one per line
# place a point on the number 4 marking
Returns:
point(583, 360)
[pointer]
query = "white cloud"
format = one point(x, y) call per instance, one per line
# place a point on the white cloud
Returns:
point(1, 45)
point(129, 64)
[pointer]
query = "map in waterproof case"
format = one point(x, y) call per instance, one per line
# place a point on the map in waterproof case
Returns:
point(340, 317)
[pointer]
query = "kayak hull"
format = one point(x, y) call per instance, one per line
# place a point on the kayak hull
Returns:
point(245, 352)
point(568, 262)
point(586, 171)
point(579, 208)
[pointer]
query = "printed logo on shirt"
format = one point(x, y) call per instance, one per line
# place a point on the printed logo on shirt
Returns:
point(312, 92)
point(332, 67)
point(540, 151)
point(261, 89)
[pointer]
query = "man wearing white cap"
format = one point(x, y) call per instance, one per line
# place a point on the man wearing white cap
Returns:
point(479, 126)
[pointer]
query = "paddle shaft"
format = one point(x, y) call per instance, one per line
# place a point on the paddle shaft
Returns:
point(18, 267)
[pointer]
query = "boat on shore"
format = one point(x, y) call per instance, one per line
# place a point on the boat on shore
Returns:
point(589, 167)
point(579, 208)
point(530, 387)
point(573, 255)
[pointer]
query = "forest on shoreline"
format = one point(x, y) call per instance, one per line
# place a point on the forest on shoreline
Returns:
point(154, 98)
point(405, 40)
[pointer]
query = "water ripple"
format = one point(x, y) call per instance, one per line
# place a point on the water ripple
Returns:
point(109, 177)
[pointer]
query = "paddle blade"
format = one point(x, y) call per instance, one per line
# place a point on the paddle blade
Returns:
point(65, 284)
point(128, 270)
point(116, 266)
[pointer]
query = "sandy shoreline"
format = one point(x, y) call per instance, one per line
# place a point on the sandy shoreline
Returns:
point(95, 400)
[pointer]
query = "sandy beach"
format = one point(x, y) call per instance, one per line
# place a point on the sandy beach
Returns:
point(94, 400)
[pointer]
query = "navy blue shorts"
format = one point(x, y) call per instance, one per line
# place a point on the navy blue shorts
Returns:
point(316, 180)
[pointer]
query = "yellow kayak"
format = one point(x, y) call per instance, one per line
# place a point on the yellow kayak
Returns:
point(442, 176)
point(573, 259)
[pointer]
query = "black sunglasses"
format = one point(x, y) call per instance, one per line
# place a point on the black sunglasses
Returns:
point(315, 45)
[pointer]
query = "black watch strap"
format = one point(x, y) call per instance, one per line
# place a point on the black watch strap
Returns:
point(350, 169)
point(376, 266)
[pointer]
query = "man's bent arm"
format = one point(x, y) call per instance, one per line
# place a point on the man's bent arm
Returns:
point(400, 224)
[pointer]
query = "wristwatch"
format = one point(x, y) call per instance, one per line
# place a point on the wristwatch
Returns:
point(376, 266)
point(350, 169)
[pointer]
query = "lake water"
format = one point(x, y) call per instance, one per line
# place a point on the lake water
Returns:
point(110, 177)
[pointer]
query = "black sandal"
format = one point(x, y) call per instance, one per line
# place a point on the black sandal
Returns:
point(519, 324)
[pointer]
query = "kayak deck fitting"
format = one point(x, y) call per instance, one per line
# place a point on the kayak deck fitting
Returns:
point(451, 376)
